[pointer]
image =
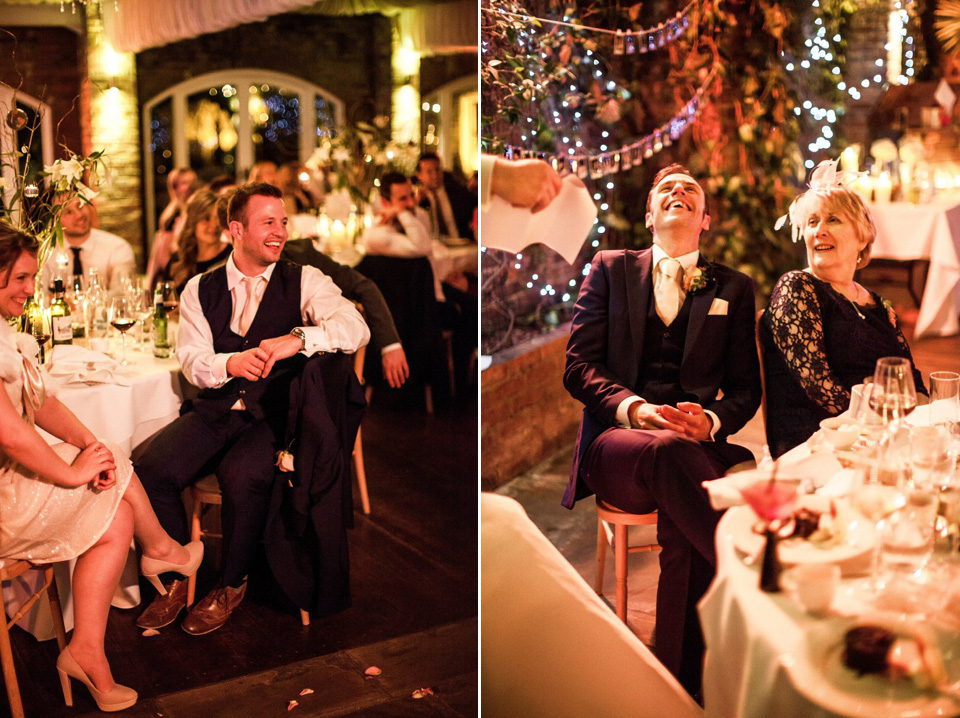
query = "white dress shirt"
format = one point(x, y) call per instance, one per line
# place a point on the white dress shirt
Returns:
point(413, 241)
point(687, 261)
point(110, 254)
point(331, 323)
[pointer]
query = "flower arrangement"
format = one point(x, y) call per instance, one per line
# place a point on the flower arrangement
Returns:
point(359, 155)
point(697, 279)
point(35, 202)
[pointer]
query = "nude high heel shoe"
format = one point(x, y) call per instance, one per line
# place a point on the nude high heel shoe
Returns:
point(117, 699)
point(151, 567)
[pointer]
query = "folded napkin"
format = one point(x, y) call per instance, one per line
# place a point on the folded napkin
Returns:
point(73, 364)
point(817, 469)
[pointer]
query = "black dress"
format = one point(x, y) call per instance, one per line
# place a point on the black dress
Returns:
point(817, 345)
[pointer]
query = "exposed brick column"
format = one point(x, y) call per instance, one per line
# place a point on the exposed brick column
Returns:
point(110, 94)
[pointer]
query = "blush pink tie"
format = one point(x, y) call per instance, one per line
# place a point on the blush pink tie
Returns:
point(251, 303)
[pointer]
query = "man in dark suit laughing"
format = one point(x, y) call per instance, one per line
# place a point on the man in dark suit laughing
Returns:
point(662, 356)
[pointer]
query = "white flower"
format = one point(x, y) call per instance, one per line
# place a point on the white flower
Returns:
point(65, 173)
point(87, 193)
point(340, 154)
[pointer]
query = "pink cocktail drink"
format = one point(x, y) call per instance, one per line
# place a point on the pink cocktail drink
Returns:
point(772, 500)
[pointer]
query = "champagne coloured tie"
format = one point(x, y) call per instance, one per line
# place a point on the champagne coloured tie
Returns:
point(668, 295)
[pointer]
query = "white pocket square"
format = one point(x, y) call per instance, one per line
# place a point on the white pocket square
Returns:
point(718, 307)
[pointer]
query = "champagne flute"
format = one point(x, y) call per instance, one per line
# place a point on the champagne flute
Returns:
point(122, 317)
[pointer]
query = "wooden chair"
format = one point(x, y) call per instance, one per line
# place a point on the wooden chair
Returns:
point(9, 570)
point(361, 472)
point(206, 492)
point(617, 538)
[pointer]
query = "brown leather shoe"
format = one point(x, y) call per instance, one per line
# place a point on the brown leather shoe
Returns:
point(214, 610)
point(163, 610)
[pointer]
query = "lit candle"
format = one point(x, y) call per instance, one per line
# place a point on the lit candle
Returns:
point(850, 158)
point(882, 188)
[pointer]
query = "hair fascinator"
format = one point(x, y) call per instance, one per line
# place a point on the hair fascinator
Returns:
point(823, 180)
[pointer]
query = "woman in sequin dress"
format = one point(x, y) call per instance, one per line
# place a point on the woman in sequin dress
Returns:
point(823, 332)
point(77, 499)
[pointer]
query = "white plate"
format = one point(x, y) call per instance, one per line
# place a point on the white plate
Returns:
point(816, 670)
point(861, 538)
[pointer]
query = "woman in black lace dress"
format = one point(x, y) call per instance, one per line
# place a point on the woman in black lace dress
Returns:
point(823, 332)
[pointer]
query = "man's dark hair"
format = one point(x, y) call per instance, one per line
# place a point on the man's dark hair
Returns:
point(219, 182)
point(665, 172)
point(237, 209)
point(428, 157)
point(388, 181)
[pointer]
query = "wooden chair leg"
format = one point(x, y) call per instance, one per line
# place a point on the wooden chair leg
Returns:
point(428, 397)
point(361, 472)
point(56, 610)
point(620, 561)
point(304, 617)
point(601, 556)
point(194, 536)
point(9, 672)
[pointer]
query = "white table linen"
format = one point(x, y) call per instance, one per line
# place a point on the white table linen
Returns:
point(925, 231)
point(749, 634)
point(128, 416)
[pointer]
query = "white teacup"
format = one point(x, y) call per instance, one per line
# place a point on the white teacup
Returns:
point(813, 585)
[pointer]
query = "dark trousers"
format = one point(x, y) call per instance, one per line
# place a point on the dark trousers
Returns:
point(643, 471)
point(240, 450)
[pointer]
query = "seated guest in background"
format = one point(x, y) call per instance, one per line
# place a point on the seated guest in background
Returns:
point(89, 247)
point(200, 245)
point(358, 288)
point(823, 332)
point(450, 205)
point(77, 499)
point(291, 178)
point(238, 323)
point(265, 171)
point(662, 356)
point(181, 183)
point(401, 228)
point(222, 184)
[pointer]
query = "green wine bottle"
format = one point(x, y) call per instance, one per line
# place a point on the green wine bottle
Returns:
point(161, 347)
point(61, 325)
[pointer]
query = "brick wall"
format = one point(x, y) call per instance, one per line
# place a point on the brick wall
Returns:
point(526, 413)
point(47, 63)
point(348, 56)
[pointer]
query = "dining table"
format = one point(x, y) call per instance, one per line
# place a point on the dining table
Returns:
point(768, 656)
point(125, 404)
point(908, 232)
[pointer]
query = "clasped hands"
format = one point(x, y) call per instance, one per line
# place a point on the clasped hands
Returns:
point(95, 465)
point(687, 418)
point(256, 363)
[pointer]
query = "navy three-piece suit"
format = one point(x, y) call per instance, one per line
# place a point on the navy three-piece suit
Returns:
point(619, 348)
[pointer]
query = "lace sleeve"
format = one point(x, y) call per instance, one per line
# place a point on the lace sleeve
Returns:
point(902, 341)
point(797, 328)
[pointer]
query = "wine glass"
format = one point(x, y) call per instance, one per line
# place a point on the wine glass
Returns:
point(140, 301)
point(171, 301)
point(122, 317)
point(876, 500)
point(38, 324)
point(894, 395)
point(773, 500)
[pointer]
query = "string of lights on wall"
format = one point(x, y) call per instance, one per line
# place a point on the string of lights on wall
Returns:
point(625, 42)
point(630, 155)
point(821, 52)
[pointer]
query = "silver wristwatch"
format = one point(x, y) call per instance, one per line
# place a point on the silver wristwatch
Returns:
point(301, 335)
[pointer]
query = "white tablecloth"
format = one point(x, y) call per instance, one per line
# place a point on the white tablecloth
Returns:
point(126, 415)
point(925, 231)
point(748, 633)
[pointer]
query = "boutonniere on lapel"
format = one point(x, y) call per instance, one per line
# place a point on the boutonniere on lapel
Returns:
point(698, 279)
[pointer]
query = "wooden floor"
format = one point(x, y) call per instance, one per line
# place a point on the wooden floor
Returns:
point(574, 533)
point(414, 613)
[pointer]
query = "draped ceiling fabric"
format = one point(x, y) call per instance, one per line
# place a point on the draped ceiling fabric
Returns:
point(141, 24)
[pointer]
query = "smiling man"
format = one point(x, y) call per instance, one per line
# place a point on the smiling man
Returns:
point(662, 356)
point(238, 324)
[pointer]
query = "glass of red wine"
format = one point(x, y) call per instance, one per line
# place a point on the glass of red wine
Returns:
point(171, 301)
point(123, 316)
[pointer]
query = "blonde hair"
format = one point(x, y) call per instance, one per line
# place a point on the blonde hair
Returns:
point(849, 206)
